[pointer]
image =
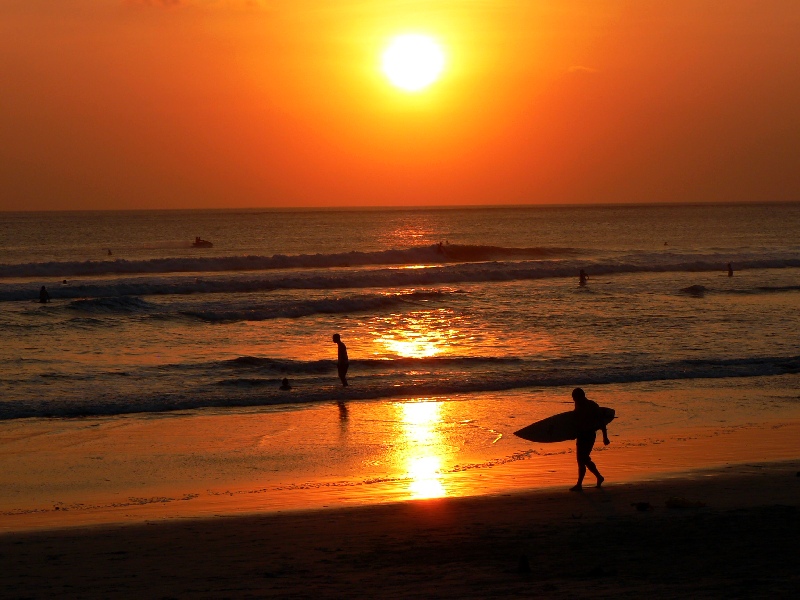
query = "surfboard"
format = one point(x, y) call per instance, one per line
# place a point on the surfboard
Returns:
point(560, 427)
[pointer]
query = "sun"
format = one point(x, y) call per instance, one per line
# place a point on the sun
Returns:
point(413, 61)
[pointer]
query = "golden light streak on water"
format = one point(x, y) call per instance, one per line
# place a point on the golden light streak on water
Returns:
point(421, 422)
point(421, 334)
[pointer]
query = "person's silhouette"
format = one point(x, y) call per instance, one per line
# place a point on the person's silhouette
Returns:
point(588, 416)
point(285, 384)
point(730, 270)
point(44, 296)
point(342, 363)
point(582, 277)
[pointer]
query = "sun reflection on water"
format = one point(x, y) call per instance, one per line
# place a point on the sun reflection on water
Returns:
point(423, 463)
point(420, 334)
point(425, 479)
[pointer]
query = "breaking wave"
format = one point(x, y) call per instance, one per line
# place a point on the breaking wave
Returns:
point(277, 309)
point(253, 382)
point(124, 304)
point(434, 254)
point(383, 277)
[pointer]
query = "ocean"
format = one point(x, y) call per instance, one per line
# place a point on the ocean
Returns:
point(431, 303)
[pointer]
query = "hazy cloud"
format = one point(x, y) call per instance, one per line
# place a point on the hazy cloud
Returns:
point(236, 4)
point(157, 3)
point(582, 69)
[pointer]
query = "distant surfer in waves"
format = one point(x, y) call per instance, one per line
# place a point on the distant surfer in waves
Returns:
point(44, 296)
point(342, 363)
point(730, 270)
point(285, 385)
point(582, 277)
point(588, 416)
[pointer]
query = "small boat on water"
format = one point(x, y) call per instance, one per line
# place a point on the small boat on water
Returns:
point(201, 243)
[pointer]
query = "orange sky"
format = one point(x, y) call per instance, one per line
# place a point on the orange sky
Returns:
point(124, 104)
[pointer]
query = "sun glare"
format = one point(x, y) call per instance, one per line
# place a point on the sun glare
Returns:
point(422, 422)
point(412, 62)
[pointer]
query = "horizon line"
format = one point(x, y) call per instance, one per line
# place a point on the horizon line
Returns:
point(395, 207)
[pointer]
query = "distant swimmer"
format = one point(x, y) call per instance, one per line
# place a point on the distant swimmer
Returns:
point(588, 416)
point(285, 384)
point(582, 277)
point(44, 297)
point(342, 363)
point(109, 251)
point(730, 270)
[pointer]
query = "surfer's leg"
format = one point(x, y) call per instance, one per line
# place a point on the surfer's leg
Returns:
point(581, 474)
point(583, 447)
point(593, 468)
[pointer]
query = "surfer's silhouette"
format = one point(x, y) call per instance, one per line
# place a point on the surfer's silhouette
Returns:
point(342, 363)
point(285, 385)
point(588, 417)
point(730, 270)
point(44, 296)
point(582, 277)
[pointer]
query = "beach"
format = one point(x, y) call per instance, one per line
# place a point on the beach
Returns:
point(197, 464)
point(623, 541)
point(707, 512)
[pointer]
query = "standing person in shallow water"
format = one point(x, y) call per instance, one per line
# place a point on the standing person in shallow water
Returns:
point(588, 416)
point(582, 277)
point(342, 363)
point(44, 297)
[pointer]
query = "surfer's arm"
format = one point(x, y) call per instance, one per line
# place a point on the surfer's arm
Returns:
point(606, 441)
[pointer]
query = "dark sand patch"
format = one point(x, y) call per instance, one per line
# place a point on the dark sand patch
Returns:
point(554, 544)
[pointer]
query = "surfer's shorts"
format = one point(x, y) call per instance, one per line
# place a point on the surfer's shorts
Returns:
point(343, 369)
point(584, 445)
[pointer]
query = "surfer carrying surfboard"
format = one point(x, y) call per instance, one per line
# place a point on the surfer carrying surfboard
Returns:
point(343, 363)
point(589, 419)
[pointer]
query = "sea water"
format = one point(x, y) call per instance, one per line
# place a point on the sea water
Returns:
point(431, 303)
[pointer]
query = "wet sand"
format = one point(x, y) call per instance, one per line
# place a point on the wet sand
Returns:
point(56, 473)
point(216, 505)
point(741, 544)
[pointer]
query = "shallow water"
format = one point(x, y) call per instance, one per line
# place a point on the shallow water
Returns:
point(209, 462)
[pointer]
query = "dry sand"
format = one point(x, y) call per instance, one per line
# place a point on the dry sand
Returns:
point(555, 544)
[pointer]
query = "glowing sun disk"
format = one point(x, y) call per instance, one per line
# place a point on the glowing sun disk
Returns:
point(412, 62)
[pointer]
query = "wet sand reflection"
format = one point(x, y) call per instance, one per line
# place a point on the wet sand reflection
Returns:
point(423, 461)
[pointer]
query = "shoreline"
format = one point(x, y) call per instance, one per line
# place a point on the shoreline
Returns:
point(695, 454)
point(619, 541)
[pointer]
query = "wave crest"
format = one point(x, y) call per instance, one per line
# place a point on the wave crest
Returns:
point(434, 254)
